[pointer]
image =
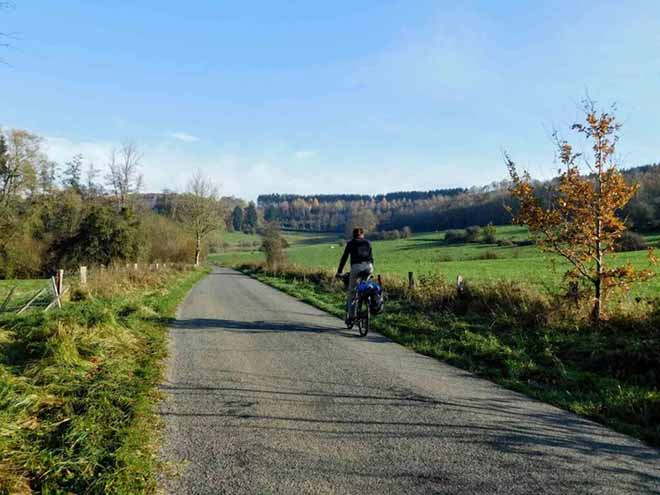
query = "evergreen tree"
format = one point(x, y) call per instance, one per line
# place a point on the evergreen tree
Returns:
point(251, 220)
point(73, 173)
point(270, 213)
point(237, 219)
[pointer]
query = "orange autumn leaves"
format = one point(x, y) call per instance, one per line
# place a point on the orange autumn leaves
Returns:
point(581, 219)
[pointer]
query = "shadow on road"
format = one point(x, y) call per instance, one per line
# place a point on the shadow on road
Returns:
point(497, 424)
point(248, 326)
point(264, 327)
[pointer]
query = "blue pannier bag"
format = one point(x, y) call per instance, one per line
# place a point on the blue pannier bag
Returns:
point(374, 293)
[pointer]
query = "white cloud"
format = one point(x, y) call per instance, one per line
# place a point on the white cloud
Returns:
point(244, 175)
point(184, 137)
point(63, 149)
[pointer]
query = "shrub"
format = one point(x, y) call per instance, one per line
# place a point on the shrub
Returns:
point(103, 237)
point(473, 234)
point(273, 246)
point(489, 234)
point(488, 255)
point(406, 232)
point(165, 240)
point(455, 237)
point(385, 235)
point(630, 241)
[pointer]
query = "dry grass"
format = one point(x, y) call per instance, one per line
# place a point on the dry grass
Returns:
point(78, 385)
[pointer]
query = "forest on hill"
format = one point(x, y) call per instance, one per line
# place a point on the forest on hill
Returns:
point(424, 211)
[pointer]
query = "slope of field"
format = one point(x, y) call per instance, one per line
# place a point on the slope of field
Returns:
point(426, 254)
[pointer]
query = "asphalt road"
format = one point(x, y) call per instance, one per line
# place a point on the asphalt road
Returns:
point(266, 394)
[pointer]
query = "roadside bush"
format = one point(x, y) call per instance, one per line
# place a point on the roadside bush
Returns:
point(103, 237)
point(273, 246)
point(165, 240)
point(631, 241)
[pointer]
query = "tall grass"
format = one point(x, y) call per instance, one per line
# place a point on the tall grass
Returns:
point(538, 343)
point(78, 385)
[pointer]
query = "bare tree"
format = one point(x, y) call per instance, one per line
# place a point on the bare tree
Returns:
point(92, 188)
point(124, 176)
point(19, 157)
point(199, 210)
point(3, 35)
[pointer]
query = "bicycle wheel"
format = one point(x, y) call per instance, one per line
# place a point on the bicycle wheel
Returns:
point(365, 320)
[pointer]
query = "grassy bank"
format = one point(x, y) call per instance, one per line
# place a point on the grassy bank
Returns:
point(518, 337)
point(78, 387)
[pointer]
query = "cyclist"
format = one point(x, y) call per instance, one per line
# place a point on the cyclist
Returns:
point(359, 250)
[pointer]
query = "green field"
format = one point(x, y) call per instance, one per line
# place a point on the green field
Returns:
point(24, 291)
point(428, 254)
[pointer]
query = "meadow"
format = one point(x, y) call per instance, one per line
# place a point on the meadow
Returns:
point(428, 254)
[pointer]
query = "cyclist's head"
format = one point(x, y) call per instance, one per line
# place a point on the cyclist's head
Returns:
point(358, 233)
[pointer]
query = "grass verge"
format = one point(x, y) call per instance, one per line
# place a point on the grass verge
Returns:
point(78, 388)
point(515, 337)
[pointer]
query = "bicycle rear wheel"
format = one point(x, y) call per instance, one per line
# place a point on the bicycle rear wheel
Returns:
point(364, 322)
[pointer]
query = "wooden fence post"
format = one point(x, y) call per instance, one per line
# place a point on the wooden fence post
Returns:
point(411, 280)
point(83, 276)
point(460, 285)
point(59, 278)
point(56, 293)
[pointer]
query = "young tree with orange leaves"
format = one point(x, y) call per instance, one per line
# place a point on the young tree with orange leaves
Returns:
point(583, 220)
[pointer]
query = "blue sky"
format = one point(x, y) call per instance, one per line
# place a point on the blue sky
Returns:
point(320, 97)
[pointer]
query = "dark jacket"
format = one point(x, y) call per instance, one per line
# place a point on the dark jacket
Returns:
point(360, 252)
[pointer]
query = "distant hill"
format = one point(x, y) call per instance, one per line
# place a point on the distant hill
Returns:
point(440, 208)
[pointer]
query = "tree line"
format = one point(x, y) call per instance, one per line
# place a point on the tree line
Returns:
point(442, 209)
point(58, 216)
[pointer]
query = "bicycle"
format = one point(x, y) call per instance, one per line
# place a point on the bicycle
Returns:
point(365, 302)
